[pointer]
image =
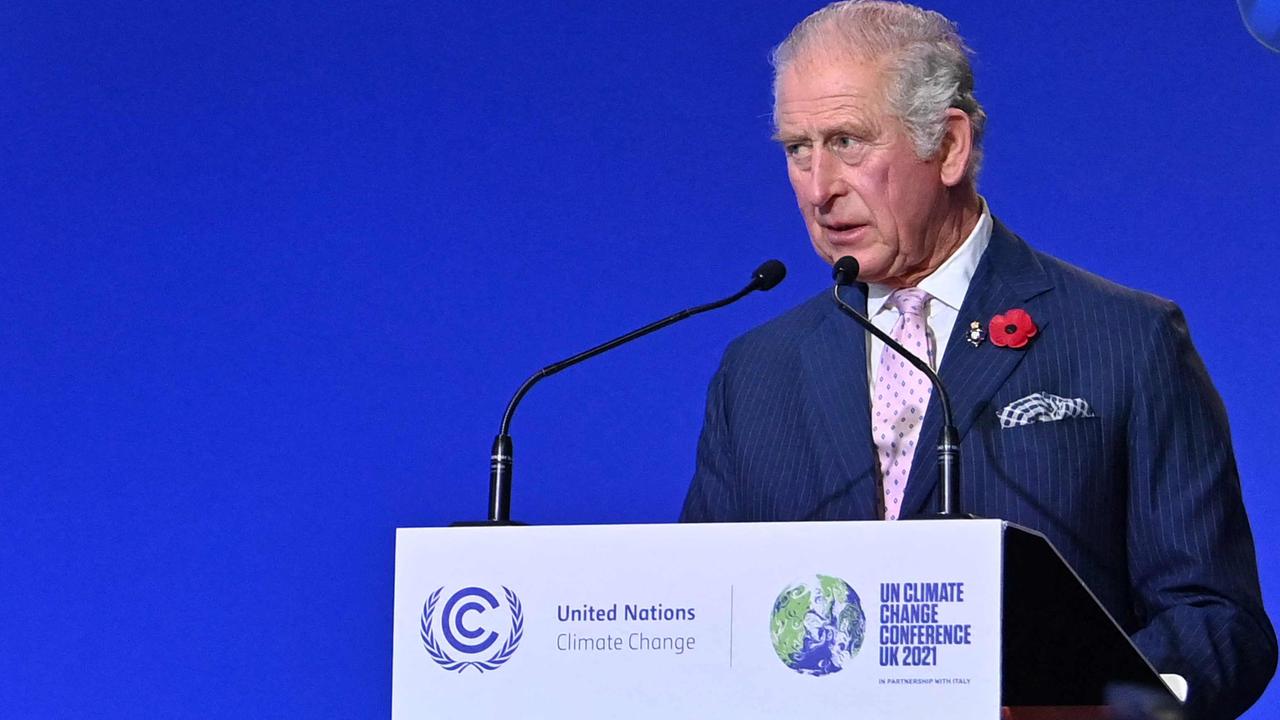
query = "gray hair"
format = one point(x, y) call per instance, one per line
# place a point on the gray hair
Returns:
point(927, 61)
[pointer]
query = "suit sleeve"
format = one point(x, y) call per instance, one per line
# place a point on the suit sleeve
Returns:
point(1190, 550)
point(710, 497)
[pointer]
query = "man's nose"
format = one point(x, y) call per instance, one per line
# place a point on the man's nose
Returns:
point(825, 182)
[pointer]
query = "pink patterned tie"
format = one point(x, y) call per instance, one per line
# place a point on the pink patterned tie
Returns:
point(901, 396)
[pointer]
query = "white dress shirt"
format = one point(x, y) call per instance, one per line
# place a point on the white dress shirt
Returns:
point(947, 285)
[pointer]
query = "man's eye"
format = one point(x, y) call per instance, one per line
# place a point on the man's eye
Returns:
point(797, 150)
point(845, 142)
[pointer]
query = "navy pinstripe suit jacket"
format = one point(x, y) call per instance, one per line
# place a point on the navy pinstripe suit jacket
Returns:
point(1143, 500)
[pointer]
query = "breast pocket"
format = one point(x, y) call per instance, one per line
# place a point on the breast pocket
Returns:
point(1053, 466)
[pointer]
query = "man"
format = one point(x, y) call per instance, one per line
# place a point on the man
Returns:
point(1085, 413)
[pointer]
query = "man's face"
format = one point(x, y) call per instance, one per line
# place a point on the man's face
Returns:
point(861, 188)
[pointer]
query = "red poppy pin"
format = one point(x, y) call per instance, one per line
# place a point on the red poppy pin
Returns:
point(1013, 329)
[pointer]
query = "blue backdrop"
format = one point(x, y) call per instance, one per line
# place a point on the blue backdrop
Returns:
point(271, 272)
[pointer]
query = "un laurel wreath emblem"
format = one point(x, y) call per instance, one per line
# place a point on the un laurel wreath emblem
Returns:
point(460, 637)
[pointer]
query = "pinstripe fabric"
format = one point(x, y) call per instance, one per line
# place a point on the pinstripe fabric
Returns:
point(1143, 499)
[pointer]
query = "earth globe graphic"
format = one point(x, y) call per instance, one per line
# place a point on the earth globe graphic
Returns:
point(817, 625)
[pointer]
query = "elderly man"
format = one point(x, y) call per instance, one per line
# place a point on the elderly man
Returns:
point(1084, 411)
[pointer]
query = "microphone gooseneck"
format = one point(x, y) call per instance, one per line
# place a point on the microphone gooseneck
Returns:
point(845, 272)
point(765, 277)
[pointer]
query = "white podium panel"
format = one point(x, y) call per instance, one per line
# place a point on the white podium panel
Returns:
point(869, 620)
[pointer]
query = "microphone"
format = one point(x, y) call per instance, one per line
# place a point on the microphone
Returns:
point(765, 277)
point(845, 272)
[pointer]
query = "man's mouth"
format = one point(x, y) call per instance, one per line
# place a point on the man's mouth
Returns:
point(842, 231)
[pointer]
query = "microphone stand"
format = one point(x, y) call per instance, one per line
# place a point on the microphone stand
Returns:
point(845, 273)
point(765, 277)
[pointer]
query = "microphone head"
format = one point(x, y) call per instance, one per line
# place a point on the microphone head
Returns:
point(769, 274)
point(845, 271)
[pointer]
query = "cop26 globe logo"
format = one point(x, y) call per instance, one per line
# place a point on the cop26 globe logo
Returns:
point(817, 625)
point(468, 624)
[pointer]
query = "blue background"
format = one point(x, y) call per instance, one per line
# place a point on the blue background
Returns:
point(271, 271)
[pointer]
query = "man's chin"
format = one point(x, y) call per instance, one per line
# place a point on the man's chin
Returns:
point(869, 271)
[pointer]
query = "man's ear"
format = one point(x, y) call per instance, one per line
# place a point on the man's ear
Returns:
point(956, 147)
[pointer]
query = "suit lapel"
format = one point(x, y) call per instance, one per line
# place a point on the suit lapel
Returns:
point(1007, 276)
point(834, 361)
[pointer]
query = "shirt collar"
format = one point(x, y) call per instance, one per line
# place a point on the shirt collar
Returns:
point(949, 283)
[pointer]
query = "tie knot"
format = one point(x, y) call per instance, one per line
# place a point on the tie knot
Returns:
point(909, 301)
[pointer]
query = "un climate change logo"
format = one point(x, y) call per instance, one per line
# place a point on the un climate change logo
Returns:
point(817, 625)
point(461, 637)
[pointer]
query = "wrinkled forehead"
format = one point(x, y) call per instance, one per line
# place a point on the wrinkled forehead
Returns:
point(829, 84)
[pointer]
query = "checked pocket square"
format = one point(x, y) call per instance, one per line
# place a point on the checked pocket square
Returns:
point(1042, 407)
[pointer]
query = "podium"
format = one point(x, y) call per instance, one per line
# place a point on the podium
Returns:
point(949, 619)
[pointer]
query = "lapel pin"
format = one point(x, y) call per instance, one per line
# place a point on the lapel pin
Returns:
point(975, 333)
